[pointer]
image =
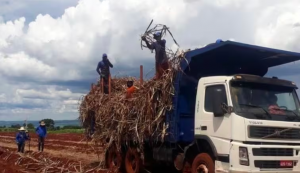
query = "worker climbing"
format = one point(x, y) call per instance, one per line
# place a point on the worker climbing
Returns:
point(161, 60)
point(104, 66)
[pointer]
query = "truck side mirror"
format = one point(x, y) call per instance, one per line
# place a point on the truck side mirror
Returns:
point(218, 105)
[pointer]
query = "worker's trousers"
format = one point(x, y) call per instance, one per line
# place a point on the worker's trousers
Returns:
point(41, 143)
point(160, 69)
point(105, 84)
point(21, 146)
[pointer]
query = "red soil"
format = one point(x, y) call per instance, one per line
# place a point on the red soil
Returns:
point(62, 153)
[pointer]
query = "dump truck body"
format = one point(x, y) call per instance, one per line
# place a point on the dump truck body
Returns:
point(211, 124)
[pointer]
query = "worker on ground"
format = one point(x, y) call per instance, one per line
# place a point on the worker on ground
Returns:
point(104, 66)
point(161, 60)
point(27, 135)
point(41, 131)
point(20, 139)
point(130, 89)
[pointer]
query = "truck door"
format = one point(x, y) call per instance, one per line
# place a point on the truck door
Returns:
point(217, 129)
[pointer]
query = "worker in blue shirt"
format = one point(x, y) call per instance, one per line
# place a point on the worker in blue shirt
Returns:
point(104, 66)
point(20, 139)
point(161, 59)
point(41, 131)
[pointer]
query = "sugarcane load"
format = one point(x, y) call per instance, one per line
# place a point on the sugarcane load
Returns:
point(208, 110)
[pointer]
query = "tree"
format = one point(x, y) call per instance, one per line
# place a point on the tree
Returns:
point(71, 127)
point(30, 126)
point(17, 126)
point(49, 123)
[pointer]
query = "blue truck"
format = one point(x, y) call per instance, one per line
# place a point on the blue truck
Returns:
point(228, 117)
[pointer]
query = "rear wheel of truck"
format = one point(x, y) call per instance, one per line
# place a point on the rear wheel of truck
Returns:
point(132, 161)
point(113, 158)
point(203, 163)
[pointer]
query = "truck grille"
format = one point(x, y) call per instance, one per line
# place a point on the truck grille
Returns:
point(260, 132)
point(264, 164)
point(272, 151)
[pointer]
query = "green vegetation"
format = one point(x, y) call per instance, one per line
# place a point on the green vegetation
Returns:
point(50, 125)
point(66, 131)
point(62, 130)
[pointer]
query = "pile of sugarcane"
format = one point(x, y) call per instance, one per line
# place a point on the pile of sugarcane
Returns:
point(121, 120)
point(141, 116)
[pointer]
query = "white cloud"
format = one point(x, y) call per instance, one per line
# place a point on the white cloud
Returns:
point(279, 26)
point(43, 60)
point(10, 30)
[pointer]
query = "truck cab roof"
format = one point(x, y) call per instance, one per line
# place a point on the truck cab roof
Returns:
point(250, 78)
point(229, 58)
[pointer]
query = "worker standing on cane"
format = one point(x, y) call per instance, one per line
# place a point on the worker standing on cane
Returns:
point(161, 60)
point(130, 89)
point(104, 66)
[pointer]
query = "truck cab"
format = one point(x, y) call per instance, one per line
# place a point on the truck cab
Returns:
point(251, 121)
point(230, 117)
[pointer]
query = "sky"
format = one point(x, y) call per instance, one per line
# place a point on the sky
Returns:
point(49, 49)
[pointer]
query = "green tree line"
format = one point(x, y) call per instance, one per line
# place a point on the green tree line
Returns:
point(50, 125)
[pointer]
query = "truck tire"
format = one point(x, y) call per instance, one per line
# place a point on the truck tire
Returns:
point(203, 162)
point(113, 158)
point(187, 168)
point(132, 161)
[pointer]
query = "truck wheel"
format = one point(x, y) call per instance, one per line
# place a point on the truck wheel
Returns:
point(186, 167)
point(113, 158)
point(132, 161)
point(203, 163)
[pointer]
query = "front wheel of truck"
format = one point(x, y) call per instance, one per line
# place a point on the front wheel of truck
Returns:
point(203, 163)
point(132, 161)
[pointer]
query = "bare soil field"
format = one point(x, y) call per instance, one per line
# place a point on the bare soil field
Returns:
point(66, 153)
point(62, 153)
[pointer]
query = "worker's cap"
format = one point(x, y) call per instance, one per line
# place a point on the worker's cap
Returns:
point(104, 55)
point(157, 34)
point(21, 129)
point(219, 41)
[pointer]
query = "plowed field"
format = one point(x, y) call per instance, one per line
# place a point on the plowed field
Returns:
point(62, 153)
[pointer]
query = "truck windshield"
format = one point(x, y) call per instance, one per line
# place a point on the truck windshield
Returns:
point(265, 101)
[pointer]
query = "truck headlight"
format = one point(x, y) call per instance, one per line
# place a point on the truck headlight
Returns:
point(243, 155)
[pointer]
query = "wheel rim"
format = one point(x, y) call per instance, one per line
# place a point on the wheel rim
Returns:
point(132, 160)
